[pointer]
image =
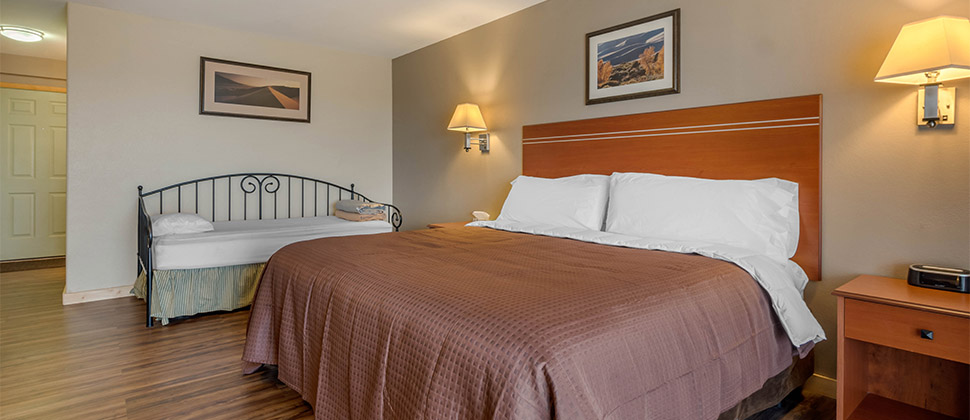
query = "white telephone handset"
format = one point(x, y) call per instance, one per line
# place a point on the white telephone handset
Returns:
point(479, 216)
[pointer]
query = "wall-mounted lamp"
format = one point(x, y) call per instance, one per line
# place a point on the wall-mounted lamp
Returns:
point(928, 53)
point(468, 119)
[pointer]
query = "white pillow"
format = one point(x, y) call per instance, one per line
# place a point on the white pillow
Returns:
point(173, 223)
point(576, 201)
point(759, 215)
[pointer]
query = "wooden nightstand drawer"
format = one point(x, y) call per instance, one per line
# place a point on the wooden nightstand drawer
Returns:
point(886, 370)
point(900, 328)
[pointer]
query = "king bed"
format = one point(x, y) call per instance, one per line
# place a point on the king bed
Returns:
point(575, 317)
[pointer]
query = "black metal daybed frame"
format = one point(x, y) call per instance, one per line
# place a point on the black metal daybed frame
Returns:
point(262, 184)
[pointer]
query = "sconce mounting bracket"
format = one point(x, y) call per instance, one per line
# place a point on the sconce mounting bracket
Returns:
point(946, 108)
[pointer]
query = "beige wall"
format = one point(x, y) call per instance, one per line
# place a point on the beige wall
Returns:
point(33, 70)
point(133, 118)
point(893, 194)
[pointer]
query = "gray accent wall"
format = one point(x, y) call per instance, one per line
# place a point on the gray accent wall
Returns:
point(892, 193)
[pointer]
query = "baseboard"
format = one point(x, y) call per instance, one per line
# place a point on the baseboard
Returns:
point(31, 264)
point(95, 295)
point(818, 384)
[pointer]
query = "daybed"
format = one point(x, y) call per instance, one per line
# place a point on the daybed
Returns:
point(253, 216)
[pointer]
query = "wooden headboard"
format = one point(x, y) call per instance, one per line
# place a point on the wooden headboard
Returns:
point(773, 138)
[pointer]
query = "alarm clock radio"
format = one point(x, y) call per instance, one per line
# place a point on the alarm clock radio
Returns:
point(951, 279)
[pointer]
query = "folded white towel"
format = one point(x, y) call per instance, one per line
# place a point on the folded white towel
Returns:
point(360, 207)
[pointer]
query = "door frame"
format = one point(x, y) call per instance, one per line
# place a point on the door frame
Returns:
point(25, 86)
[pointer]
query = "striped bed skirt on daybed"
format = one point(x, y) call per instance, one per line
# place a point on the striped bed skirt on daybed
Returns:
point(178, 293)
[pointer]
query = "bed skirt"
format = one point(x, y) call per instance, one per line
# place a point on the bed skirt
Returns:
point(774, 390)
point(178, 293)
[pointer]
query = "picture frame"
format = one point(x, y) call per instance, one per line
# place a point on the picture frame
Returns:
point(632, 60)
point(234, 89)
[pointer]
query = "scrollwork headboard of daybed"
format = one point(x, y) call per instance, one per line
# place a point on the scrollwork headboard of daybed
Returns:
point(264, 190)
point(242, 196)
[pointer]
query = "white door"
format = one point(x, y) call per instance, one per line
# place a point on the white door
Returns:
point(33, 183)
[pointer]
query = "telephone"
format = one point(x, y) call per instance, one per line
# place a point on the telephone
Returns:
point(479, 216)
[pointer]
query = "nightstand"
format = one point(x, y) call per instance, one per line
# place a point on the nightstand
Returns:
point(904, 351)
point(451, 225)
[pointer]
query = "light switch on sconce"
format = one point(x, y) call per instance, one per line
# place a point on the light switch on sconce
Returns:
point(468, 119)
point(928, 53)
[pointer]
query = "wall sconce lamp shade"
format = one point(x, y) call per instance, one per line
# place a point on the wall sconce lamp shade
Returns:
point(20, 33)
point(939, 45)
point(928, 53)
point(468, 119)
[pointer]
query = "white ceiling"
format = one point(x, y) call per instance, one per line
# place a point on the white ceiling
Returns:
point(386, 28)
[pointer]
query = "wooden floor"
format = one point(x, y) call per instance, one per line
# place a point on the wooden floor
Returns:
point(97, 361)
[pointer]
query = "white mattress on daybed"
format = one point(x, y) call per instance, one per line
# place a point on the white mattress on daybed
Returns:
point(250, 241)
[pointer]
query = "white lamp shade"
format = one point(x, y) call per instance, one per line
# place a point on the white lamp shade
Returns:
point(939, 44)
point(467, 118)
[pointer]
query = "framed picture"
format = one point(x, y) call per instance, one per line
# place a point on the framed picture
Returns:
point(245, 90)
point(634, 60)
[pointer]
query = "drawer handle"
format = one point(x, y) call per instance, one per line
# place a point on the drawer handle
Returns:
point(927, 334)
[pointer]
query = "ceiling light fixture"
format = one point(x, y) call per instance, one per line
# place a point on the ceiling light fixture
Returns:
point(20, 33)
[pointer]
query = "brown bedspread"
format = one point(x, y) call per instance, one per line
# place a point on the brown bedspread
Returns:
point(476, 323)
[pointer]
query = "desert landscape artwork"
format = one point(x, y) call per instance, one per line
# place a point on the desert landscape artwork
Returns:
point(253, 91)
point(229, 88)
point(634, 60)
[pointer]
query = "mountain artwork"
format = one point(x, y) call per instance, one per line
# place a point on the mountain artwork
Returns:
point(632, 59)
